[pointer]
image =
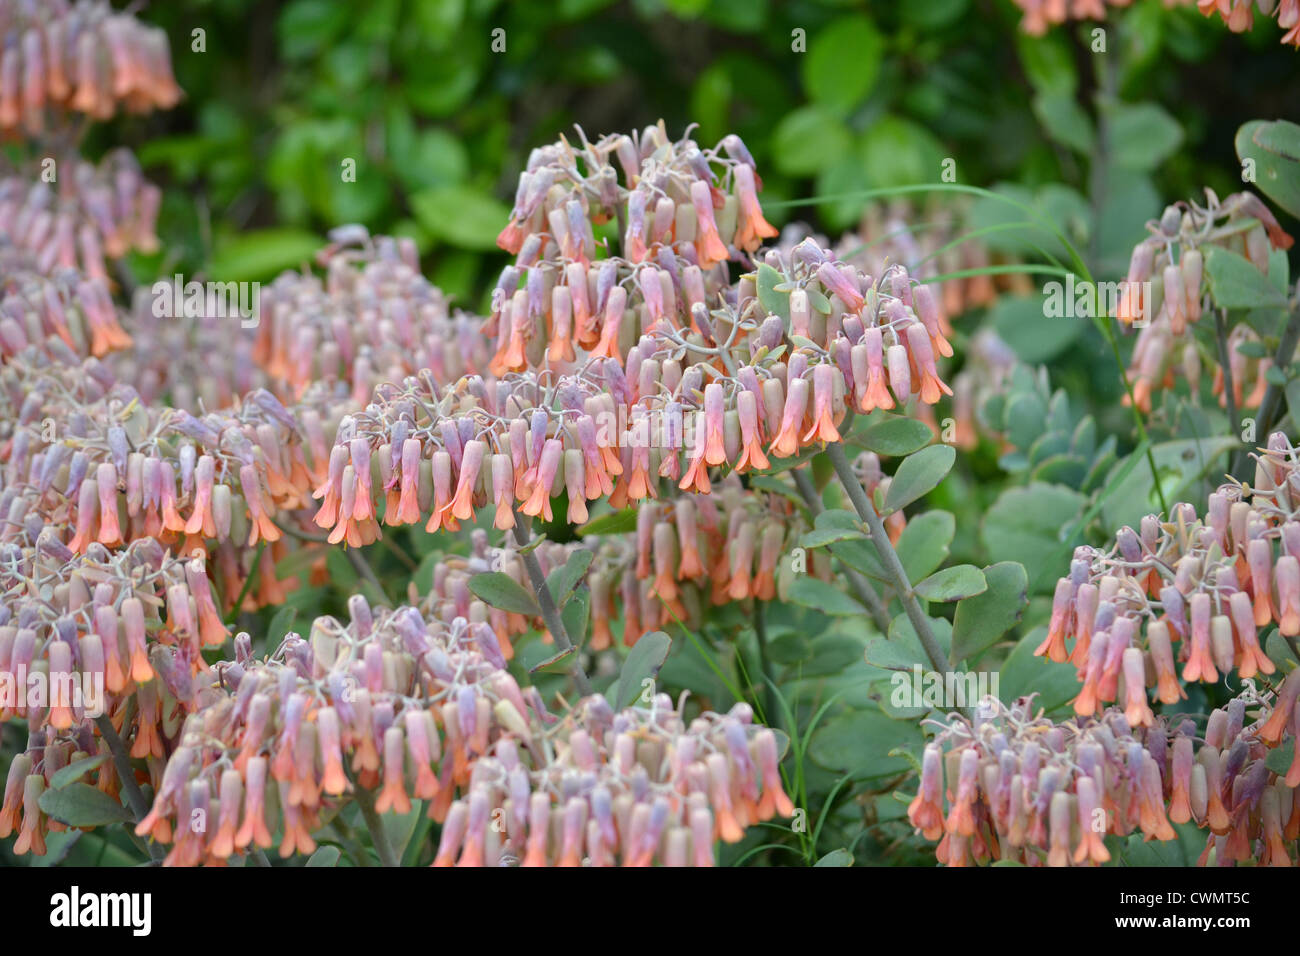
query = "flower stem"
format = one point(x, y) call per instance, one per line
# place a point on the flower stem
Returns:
point(1268, 408)
point(550, 614)
point(122, 762)
point(888, 557)
point(858, 584)
point(765, 665)
point(366, 801)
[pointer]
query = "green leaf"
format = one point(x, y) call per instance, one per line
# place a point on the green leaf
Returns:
point(460, 216)
point(1280, 757)
point(842, 63)
point(860, 743)
point(925, 542)
point(839, 857)
point(1235, 283)
point(575, 618)
point(895, 436)
point(918, 475)
point(1025, 525)
point(75, 771)
point(642, 664)
point(1275, 148)
point(776, 303)
point(1035, 337)
point(563, 580)
point(952, 584)
point(1180, 464)
point(262, 254)
point(814, 593)
point(861, 556)
point(834, 524)
point(325, 856)
point(81, 805)
point(979, 621)
point(280, 625)
point(1144, 134)
point(1065, 121)
point(502, 591)
point(616, 522)
point(808, 140)
point(1022, 673)
point(1048, 63)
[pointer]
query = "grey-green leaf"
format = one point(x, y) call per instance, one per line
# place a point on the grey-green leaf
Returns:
point(952, 584)
point(500, 590)
point(918, 475)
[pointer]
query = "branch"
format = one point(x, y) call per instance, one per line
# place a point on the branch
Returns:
point(1268, 408)
point(122, 762)
point(366, 801)
point(888, 557)
point(550, 614)
point(858, 584)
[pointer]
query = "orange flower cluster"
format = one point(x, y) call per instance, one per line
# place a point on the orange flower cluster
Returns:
point(419, 708)
point(84, 635)
point(675, 203)
point(83, 57)
point(1239, 15)
point(94, 213)
point(65, 316)
point(373, 318)
point(1164, 294)
point(1042, 14)
point(684, 555)
point(1210, 584)
point(621, 789)
point(1022, 788)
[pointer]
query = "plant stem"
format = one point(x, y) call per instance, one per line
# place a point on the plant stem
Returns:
point(765, 665)
point(888, 557)
point(550, 614)
point(1229, 394)
point(366, 801)
point(122, 762)
point(858, 584)
point(349, 839)
point(367, 573)
point(1273, 395)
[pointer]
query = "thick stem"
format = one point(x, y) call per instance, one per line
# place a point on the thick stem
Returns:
point(888, 557)
point(1273, 395)
point(859, 585)
point(126, 776)
point(550, 614)
point(366, 801)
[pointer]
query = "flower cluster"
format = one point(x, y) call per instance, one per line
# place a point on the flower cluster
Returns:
point(1018, 787)
point(1239, 15)
point(618, 789)
point(93, 213)
point(1166, 286)
point(117, 635)
point(82, 57)
point(1210, 585)
point(674, 200)
point(65, 315)
point(684, 555)
point(419, 708)
point(1040, 15)
point(373, 318)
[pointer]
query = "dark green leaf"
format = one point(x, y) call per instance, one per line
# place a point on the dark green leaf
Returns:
point(642, 664)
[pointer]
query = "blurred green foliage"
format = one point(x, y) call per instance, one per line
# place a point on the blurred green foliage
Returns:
point(832, 97)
